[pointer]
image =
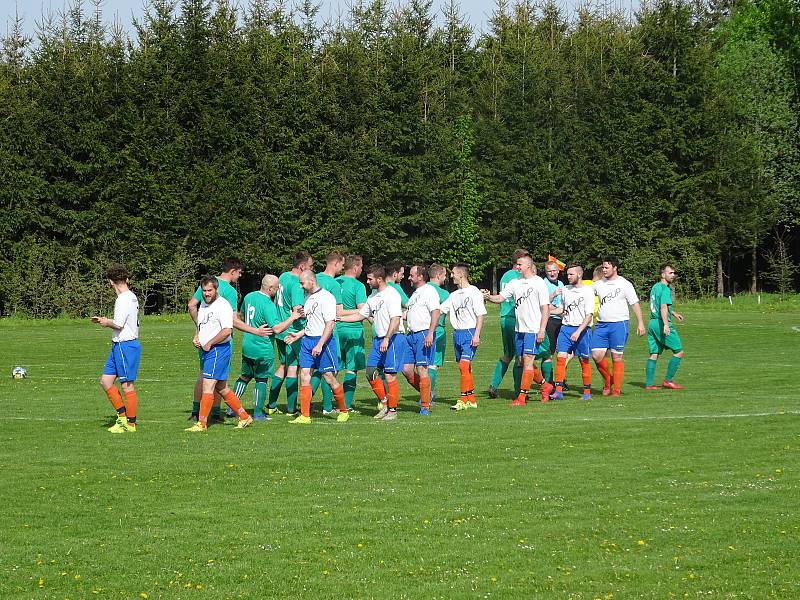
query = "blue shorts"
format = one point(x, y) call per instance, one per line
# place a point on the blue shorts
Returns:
point(328, 359)
point(525, 343)
point(123, 360)
point(462, 344)
point(417, 354)
point(390, 361)
point(610, 335)
point(582, 348)
point(215, 363)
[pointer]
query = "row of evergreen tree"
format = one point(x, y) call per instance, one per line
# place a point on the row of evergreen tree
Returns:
point(213, 130)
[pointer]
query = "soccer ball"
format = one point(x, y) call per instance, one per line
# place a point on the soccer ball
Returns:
point(18, 373)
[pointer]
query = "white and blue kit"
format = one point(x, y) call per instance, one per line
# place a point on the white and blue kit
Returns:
point(464, 306)
point(383, 306)
point(578, 302)
point(529, 295)
point(611, 330)
point(211, 319)
point(123, 360)
point(319, 309)
point(422, 303)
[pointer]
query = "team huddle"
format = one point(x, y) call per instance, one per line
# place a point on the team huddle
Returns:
point(301, 329)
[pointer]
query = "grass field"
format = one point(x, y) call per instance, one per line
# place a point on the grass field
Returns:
point(659, 494)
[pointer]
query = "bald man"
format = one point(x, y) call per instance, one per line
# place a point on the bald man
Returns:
point(258, 355)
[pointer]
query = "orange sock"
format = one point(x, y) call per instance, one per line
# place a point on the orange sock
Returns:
point(377, 388)
point(232, 400)
point(602, 367)
point(338, 393)
point(525, 383)
point(305, 400)
point(561, 369)
point(537, 376)
point(116, 399)
point(394, 393)
point(619, 371)
point(425, 391)
point(131, 402)
point(586, 373)
point(467, 381)
point(415, 381)
point(205, 407)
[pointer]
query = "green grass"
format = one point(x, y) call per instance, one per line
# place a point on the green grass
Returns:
point(654, 495)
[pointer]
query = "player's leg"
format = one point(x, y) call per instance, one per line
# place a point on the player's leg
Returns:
point(462, 340)
point(290, 382)
point(263, 369)
point(277, 381)
point(617, 341)
point(655, 347)
point(306, 366)
point(544, 355)
point(501, 367)
point(232, 401)
point(673, 342)
point(600, 345)
point(438, 360)
point(392, 364)
point(108, 383)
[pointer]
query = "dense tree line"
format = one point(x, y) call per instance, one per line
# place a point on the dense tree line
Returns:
point(213, 130)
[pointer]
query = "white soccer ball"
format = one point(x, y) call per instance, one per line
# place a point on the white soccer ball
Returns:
point(18, 373)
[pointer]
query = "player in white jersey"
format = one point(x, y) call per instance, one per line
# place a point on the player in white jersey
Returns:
point(615, 294)
point(575, 334)
point(123, 360)
point(532, 310)
point(422, 316)
point(318, 348)
point(467, 312)
point(215, 318)
point(388, 349)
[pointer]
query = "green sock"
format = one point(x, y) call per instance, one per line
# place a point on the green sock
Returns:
point(316, 380)
point(260, 394)
point(349, 385)
point(650, 371)
point(327, 396)
point(517, 378)
point(274, 391)
point(291, 394)
point(433, 374)
point(547, 370)
point(195, 408)
point(239, 387)
point(215, 411)
point(672, 367)
point(500, 370)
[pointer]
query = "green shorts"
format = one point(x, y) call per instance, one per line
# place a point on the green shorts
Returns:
point(657, 342)
point(507, 332)
point(351, 349)
point(441, 346)
point(260, 368)
point(543, 349)
point(288, 354)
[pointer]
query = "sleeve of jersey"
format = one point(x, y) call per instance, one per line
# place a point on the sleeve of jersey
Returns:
point(366, 310)
point(433, 302)
point(120, 312)
point(477, 302)
point(329, 310)
point(666, 297)
point(508, 290)
point(630, 293)
point(272, 317)
point(544, 294)
point(198, 295)
point(337, 293)
point(361, 294)
point(445, 306)
point(395, 306)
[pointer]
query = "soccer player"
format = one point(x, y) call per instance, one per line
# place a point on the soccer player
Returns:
point(507, 331)
point(214, 328)
point(258, 354)
point(351, 335)
point(467, 311)
point(334, 263)
point(318, 349)
point(660, 332)
point(289, 295)
point(232, 269)
point(532, 309)
point(422, 317)
point(123, 360)
point(554, 284)
point(387, 351)
point(575, 335)
point(438, 275)
point(611, 331)
point(395, 272)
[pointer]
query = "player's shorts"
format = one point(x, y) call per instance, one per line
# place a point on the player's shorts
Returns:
point(582, 348)
point(123, 360)
point(553, 327)
point(610, 335)
point(216, 363)
point(441, 346)
point(543, 351)
point(462, 344)
point(508, 333)
point(657, 342)
point(525, 343)
point(417, 354)
point(288, 354)
point(351, 349)
point(328, 359)
point(390, 361)
point(259, 368)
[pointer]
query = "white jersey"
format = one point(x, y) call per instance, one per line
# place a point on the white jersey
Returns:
point(319, 309)
point(529, 296)
point(382, 307)
point(126, 316)
point(464, 306)
point(213, 318)
point(577, 302)
point(422, 303)
point(615, 295)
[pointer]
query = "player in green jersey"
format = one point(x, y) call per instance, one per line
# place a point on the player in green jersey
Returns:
point(334, 263)
point(258, 354)
point(507, 332)
point(661, 334)
point(438, 276)
point(232, 269)
point(395, 272)
point(289, 295)
point(352, 357)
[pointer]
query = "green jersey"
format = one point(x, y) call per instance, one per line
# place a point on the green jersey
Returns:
point(326, 282)
point(353, 293)
point(403, 297)
point(258, 310)
point(289, 295)
point(443, 295)
point(507, 307)
point(660, 294)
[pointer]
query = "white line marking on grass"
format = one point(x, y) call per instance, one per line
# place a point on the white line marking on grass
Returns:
point(796, 328)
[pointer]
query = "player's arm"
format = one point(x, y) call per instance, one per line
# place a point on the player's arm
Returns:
point(543, 323)
point(587, 321)
point(355, 317)
point(637, 310)
point(493, 298)
point(106, 322)
point(664, 312)
point(284, 325)
point(394, 325)
point(262, 331)
point(476, 339)
point(326, 335)
point(193, 306)
point(222, 335)
point(291, 338)
point(677, 315)
point(431, 335)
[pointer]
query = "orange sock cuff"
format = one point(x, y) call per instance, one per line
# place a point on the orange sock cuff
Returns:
point(394, 393)
point(619, 372)
point(206, 400)
point(116, 399)
point(561, 370)
point(131, 404)
point(425, 391)
point(232, 400)
point(378, 389)
point(586, 372)
point(338, 393)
